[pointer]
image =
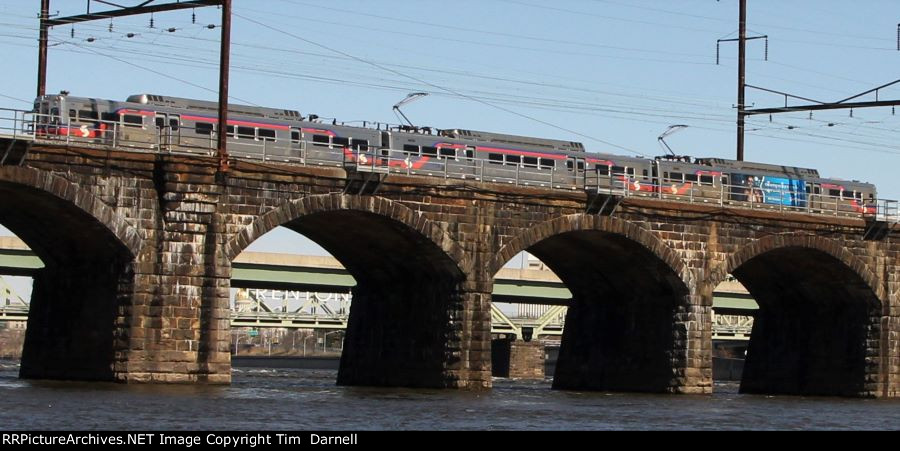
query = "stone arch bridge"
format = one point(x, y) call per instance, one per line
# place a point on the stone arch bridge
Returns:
point(138, 248)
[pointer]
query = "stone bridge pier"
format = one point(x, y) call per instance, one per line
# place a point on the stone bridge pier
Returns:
point(138, 248)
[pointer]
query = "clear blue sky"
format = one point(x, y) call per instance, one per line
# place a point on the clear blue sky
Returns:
point(604, 72)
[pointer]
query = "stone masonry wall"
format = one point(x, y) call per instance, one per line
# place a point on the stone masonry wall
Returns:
point(166, 232)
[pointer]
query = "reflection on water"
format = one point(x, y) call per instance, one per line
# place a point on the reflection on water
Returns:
point(291, 399)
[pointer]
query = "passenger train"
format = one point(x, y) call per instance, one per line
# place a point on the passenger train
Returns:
point(169, 124)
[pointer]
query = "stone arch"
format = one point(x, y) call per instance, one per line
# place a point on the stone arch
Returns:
point(333, 202)
point(64, 190)
point(585, 222)
point(819, 327)
point(407, 319)
point(76, 325)
point(819, 243)
point(630, 321)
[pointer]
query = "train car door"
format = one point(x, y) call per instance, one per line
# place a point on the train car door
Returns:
point(654, 176)
point(384, 150)
point(297, 147)
point(174, 130)
point(724, 189)
point(576, 168)
point(815, 198)
point(168, 128)
point(161, 130)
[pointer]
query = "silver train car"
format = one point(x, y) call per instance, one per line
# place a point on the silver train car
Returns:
point(176, 125)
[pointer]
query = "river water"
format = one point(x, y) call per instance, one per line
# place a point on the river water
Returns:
point(302, 399)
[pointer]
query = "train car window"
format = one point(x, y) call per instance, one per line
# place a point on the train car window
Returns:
point(706, 180)
point(834, 192)
point(73, 115)
point(547, 163)
point(321, 140)
point(514, 160)
point(690, 177)
point(88, 115)
point(601, 169)
point(343, 142)
point(359, 144)
point(676, 176)
point(630, 171)
point(570, 164)
point(133, 120)
point(160, 122)
point(618, 170)
point(266, 134)
point(229, 131)
point(470, 153)
point(411, 149)
point(857, 195)
point(203, 128)
point(173, 124)
point(580, 165)
point(646, 174)
point(495, 158)
point(530, 162)
point(429, 151)
point(448, 152)
point(295, 137)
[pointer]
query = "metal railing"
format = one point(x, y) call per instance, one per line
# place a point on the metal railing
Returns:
point(16, 124)
point(459, 168)
point(777, 198)
point(24, 125)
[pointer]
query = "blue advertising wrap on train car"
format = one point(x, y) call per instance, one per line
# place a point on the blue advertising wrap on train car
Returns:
point(769, 190)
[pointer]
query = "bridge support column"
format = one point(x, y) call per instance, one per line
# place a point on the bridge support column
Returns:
point(693, 348)
point(891, 326)
point(179, 318)
point(517, 359)
point(179, 330)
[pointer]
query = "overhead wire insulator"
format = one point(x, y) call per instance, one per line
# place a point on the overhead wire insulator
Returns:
point(766, 58)
point(151, 20)
point(193, 16)
point(110, 25)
